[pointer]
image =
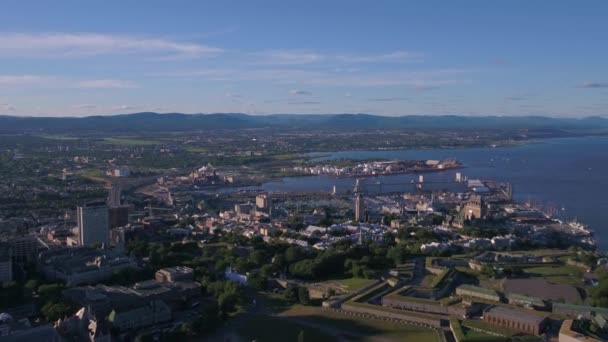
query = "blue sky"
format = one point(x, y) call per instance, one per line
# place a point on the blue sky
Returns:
point(259, 57)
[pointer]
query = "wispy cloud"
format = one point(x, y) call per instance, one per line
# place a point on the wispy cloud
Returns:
point(44, 81)
point(593, 85)
point(23, 80)
point(233, 95)
point(106, 84)
point(287, 57)
point(397, 56)
point(515, 98)
point(57, 44)
point(421, 80)
point(7, 107)
point(303, 102)
point(300, 92)
point(124, 107)
point(85, 106)
point(387, 99)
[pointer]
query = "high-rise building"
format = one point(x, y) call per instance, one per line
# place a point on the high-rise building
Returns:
point(262, 202)
point(358, 207)
point(114, 196)
point(6, 265)
point(118, 213)
point(93, 223)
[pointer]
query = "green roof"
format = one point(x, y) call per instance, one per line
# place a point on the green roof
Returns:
point(478, 289)
point(524, 298)
point(580, 308)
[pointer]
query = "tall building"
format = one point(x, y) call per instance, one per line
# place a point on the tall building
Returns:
point(473, 208)
point(6, 265)
point(93, 224)
point(118, 213)
point(358, 207)
point(262, 202)
point(114, 196)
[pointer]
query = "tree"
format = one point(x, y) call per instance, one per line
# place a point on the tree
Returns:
point(228, 301)
point(294, 254)
point(303, 295)
point(53, 311)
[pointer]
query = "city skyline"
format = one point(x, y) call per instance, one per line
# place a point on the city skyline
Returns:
point(389, 58)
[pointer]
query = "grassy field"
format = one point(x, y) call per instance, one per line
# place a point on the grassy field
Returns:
point(326, 322)
point(469, 323)
point(95, 175)
point(360, 329)
point(353, 284)
point(564, 274)
point(131, 141)
point(285, 156)
point(268, 328)
point(196, 149)
point(58, 137)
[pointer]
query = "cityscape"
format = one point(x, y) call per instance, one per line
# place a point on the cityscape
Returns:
point(234, 217)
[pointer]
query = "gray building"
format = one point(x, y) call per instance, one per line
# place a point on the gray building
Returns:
point(93, 224)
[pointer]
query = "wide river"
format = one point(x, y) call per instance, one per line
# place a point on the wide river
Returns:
point(569, 174)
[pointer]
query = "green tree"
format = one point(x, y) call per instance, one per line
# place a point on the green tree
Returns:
point(303, 295)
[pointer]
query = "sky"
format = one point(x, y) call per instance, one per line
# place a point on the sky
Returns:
point(520, 57)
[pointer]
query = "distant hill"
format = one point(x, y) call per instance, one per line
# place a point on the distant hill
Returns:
point(155, 122)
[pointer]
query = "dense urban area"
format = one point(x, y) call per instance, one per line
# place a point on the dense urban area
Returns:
point(170, 237)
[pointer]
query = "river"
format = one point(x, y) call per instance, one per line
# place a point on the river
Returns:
point(568, 174)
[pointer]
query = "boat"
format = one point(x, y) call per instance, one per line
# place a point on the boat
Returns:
point(577, 226)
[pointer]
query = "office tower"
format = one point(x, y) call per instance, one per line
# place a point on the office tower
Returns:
point(358, 207)
point(93, 224)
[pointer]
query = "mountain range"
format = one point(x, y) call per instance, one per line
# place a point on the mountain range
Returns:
point(155, 122)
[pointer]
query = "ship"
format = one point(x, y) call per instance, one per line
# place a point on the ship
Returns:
point(579, 227)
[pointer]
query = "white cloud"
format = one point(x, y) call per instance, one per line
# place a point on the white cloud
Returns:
point(44, 81)
point(124, 107)
point(106, 84)
point(51, 44)
point(85, 106)
point(7, 107)
point(23, 80)
point(299, 92)
point(397, 56)
point(287, 57)
point(233, 95)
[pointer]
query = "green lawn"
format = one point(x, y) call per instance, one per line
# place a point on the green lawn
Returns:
point(353, 284)
point(513, 335)
point(59, 137)
point(564, 274)
point(361, 329)
point(131, 141)
point(196, 149)
point(267, 328)
point(285, 156)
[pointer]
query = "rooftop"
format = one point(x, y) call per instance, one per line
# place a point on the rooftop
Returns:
point(515, 315)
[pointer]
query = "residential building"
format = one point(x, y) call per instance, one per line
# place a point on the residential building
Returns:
point(175, 274)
